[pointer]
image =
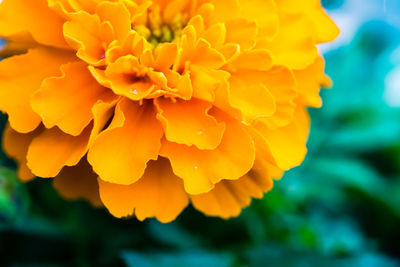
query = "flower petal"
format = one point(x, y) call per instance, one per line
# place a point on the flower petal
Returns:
point(16, 145)
point(78, 182)
point(120, 153)
point(288, 144)
point(54, 149)
point(309, 82)
point(20, 77)
point(180, 126)
point(289, 48)
point(67, 101)
point(33, 16)
point(201, 169)
point(254, 100)
point(228, 198)
point(159, 193)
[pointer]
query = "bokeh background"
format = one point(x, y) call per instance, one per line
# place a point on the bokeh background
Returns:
point(340, 208)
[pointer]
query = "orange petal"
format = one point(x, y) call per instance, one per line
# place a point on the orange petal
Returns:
point(165, 55)
point(120, 76)
point(228, 198)
point(78, 182)
point(120, 153)
point(201, 169)
point(33, 16)
point(118, 15)
point(188, 123)
point(16, 146)
point(20, 77)
point(83, 33)
point(204, 55)
point(54, 149)
point(288, 144)
point(159, 193)
point(67, 101)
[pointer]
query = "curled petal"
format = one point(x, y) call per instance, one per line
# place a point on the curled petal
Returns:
point(159, 193)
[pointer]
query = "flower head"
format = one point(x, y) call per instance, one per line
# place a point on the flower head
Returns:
point(145, 105)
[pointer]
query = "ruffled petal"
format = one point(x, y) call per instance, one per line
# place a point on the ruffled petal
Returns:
point(177, 118)
point(120, 153)
point(78, 182)
point(33, 16)
point(53, 149)
point(67, 101)
point(201, 169)
point(159, 193)
point(20, 77)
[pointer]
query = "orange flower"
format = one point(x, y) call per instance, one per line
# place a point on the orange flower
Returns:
point(145, 105)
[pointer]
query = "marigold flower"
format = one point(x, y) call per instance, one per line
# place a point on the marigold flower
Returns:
point(145, 105)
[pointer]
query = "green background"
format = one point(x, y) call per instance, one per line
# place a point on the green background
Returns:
point(340, 208)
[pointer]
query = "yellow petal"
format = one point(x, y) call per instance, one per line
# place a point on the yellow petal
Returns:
point(289, 48)
point(281, 83)
point(67, 101)
point(253, 100)
point(33, 16)
point(309, 82)
point(16, 145)
point(20, 77)
point(180, 126)
point(242, 32)
point(201, 169)
point(264, 13)
point(159, 193)
point(120, 153)
point(326, 29)
point(78, 182)
point(288, 143)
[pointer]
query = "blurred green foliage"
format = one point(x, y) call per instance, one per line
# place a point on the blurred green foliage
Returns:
point(340, 208)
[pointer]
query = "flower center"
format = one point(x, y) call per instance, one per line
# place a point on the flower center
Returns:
point(158, 31)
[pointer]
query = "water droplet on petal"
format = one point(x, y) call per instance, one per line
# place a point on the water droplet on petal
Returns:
point(196, 167)
point(135, 92)
point(200, 132)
